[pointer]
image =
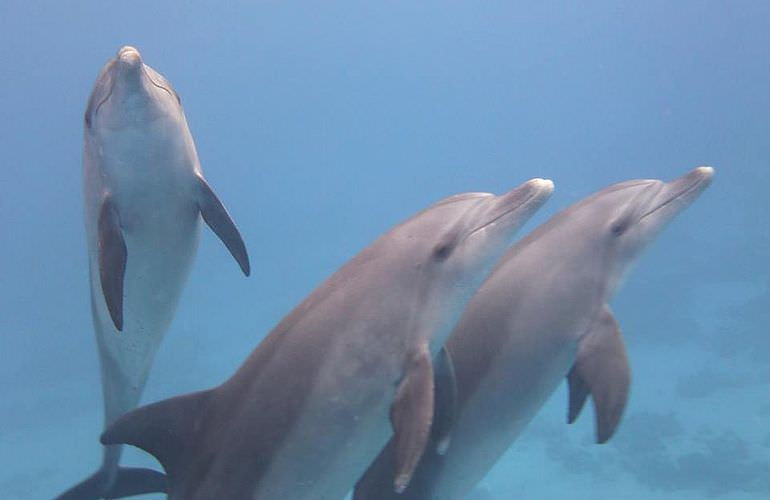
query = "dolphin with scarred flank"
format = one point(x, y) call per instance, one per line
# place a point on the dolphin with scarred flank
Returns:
point(315, 402)
point(145, 195)
point(542, 315)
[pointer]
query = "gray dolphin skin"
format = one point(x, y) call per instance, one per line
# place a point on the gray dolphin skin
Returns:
point(320, 396)
point(144, 197)
point(540, 316)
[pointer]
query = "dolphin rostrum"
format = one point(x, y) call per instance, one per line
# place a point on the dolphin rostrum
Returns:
point(540, 316)
point(144, 197)
point(310, 408)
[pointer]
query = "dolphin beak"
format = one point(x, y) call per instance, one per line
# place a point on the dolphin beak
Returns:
point(680, 192)
point(129, 56)
point(518, 205)
point(129, 64)
point(529, 196)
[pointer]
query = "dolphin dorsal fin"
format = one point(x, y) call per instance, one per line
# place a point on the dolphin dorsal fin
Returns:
point(601, 369)
point(162, 429)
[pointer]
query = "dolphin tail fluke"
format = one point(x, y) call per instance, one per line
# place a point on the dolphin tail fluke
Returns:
point(216, 217)
point(89, 489)
point(128, 482)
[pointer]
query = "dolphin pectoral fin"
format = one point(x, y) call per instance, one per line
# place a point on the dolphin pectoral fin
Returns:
point(578, 394)
point(601, 369)
point(445, 401)
point(411, 416)
point(112, 260)
point(162, 429)
point(216, 217)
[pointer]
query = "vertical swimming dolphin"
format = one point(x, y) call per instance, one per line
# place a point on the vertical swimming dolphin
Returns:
point(540, 316)
point(144, 197)
point(321, 394)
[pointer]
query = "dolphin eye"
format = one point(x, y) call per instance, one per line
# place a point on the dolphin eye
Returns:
point(442, 251)
point(620, 227)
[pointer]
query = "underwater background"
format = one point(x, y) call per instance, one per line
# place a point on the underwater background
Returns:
point(322, 124)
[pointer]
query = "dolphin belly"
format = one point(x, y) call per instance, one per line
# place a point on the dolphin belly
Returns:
point(496, 414)
point(354, 424)
point(156, 272)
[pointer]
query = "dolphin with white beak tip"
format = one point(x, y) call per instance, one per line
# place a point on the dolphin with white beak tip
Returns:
point(540, 316)
point(321, 394)
point(144, 197)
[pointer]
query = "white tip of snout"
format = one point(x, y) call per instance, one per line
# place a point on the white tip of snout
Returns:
point(129, 55)
point(705, 171)
point(542, 184)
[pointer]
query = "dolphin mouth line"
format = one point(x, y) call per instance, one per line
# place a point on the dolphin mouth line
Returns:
point(504, 214)
point(96, 109)
point(168, 91)
point(684, 192)
point(149, 77)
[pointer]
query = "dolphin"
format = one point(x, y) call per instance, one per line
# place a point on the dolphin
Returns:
point(310, 407)
point(144, 197)
point(540, 316)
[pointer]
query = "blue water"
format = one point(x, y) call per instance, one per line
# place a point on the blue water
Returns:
point(322, 124)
